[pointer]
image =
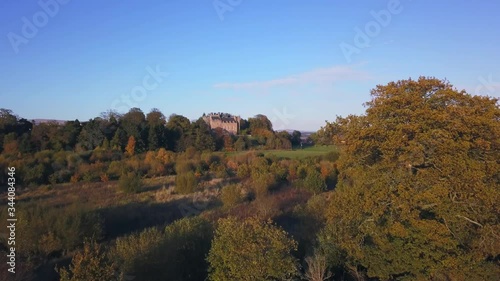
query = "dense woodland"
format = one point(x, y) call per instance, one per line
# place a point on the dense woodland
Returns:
point(407, 191)
point(51, 152)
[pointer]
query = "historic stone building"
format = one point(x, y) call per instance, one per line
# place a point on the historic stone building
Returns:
point(225, 121)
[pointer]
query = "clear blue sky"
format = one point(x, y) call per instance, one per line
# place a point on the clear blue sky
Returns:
point(279, 58)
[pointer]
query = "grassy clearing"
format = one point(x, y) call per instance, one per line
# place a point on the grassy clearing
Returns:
point(295, 153)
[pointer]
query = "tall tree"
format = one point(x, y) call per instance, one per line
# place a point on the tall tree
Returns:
point(157, 132)
point(260, 121)
point(68, 134)
point(244, 126)
point(296, 137)
point(203, 139)
point(179, 128)
point(45, 136)
point(91, 135)
point(119, 140)
point(418, 185)
point(134, 124)
point(131, 146)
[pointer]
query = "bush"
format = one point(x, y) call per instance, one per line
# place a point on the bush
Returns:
point(183, 167)
point(177, 253)
point(130, 182)
point(137, 251)
point(92, 172)
point(231, 195)
point(243, 171)
point(279, 171)
point(48, 230)
point(36, 174)
point(302, 172)
point(115, 169)
point(186, 183)
point(89, 265)
point(314, 182)
point(263, 184)
point(60, 176)
point(251, 250)
point(189, 242)
point(221, 172)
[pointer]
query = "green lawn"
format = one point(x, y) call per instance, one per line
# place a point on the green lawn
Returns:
point(296, 153)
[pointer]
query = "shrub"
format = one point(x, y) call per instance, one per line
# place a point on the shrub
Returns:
point(302, 172)
point(60, 176)
point(48, 229)
point(92, 172)
point(73, 160)
point(130, 182)
point(137, 251)
point(115, 169)
point(263, 183)
point(89, 265)
point(314, 182)
point(243, 171)
point(189, 242)
point(211, 157)
point(36, 175)
point(332, 156)
point(219, 169)
point(182, 167)
point(251, 250)
point(279, 171)
point(240, 144)
point(186, 183)
point(231, 195)
point(221, 172)
point(177, 253)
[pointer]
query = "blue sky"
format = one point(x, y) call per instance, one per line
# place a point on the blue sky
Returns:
point(298, 62)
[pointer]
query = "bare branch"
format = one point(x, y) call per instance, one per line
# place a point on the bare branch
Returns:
point(469, 220)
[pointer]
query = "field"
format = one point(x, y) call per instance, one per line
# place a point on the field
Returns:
point(296, 153)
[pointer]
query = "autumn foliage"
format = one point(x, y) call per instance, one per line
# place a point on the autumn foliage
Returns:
point(418, 185)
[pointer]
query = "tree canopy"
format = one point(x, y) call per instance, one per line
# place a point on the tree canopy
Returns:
point(251, 250)
point(418, 187)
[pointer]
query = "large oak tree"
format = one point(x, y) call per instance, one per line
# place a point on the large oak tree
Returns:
point(419, 185)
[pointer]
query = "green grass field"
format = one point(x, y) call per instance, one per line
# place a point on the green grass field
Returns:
point(295, 153)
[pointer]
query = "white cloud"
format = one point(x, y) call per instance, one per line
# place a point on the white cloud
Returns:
point(316, 76)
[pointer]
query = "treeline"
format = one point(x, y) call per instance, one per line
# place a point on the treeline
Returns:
point(53, 153)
